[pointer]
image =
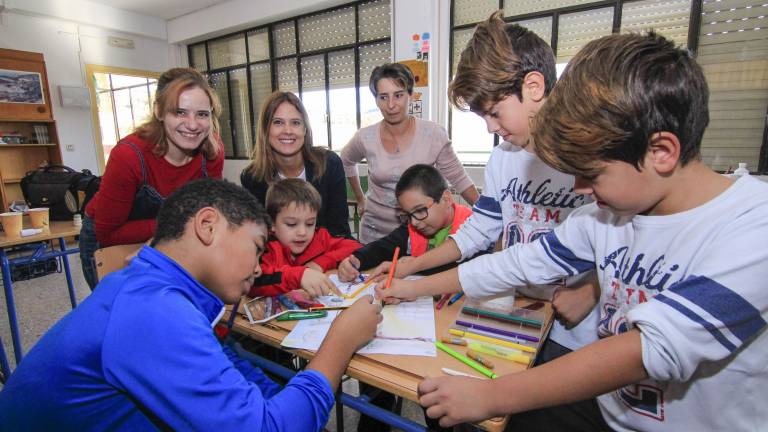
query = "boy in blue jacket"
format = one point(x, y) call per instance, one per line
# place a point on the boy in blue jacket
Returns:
point(139, 353)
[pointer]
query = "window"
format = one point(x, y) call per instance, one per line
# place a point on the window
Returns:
point(730, 43)
point(121, 100)
point(325, 57)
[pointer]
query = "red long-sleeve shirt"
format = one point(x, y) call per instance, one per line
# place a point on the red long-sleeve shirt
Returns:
point(111, 205)
point(281, 272)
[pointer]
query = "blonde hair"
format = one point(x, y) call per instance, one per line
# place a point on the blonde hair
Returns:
point(263, 166)
point(171, 84)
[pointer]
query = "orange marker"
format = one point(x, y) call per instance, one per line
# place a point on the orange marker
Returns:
point(480, 359)
point(453, 341)
point(393, 268)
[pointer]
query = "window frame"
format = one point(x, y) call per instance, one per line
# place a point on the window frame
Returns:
point(297, 55)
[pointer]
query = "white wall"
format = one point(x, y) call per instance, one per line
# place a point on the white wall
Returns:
point(48, 28)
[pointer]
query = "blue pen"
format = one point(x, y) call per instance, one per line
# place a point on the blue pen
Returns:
point(455, 298)
point(361, 278)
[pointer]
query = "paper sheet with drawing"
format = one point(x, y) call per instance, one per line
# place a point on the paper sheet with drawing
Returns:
point(407, 328)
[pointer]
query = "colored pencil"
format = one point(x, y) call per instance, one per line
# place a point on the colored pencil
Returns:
point(455, 298)
point(467, 361)
point(491, 340)
point(497, 331)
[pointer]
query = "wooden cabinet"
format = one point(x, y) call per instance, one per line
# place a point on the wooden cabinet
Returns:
point(27, 128)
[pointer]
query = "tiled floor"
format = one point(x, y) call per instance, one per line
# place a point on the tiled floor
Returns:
point(43, 301)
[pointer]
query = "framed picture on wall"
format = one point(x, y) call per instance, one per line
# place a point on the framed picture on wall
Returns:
point(24, 93)
point(21, 87)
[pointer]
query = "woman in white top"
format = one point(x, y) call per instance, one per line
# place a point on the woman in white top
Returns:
point(391, 146)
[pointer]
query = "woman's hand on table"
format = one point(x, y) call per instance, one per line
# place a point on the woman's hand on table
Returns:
point(316, 283)
point(456, 400)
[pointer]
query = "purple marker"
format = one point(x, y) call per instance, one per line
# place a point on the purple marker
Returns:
point(497, 331)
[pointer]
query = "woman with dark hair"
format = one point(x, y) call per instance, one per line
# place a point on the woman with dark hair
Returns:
point(391, 146)
point(284, 149)
point(179, 143)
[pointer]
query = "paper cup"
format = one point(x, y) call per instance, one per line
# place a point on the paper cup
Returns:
point(11, 222)
point(39, 218)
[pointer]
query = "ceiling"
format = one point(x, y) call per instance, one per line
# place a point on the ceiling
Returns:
point(166, 9)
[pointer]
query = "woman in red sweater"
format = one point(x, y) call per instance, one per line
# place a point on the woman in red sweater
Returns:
point(178, 144)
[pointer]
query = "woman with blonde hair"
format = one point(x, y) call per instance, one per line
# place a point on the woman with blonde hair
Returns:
point(284, 149)
point(178, 144)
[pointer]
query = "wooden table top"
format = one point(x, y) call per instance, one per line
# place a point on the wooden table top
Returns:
point(58, 229)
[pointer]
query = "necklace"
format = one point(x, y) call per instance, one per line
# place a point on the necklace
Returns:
point(405, 133)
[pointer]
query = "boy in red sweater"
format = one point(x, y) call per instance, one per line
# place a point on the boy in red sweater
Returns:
point(298, 253)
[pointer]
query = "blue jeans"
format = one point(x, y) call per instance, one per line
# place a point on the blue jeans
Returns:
point(88, 245)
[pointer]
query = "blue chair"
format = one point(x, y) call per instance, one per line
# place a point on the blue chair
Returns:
point(5, 369)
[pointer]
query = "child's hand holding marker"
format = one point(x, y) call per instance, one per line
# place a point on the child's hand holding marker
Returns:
point(399, 290)
point(349, 269)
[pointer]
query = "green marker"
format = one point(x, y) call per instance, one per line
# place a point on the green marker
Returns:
point(469, 362)
point(292, 316)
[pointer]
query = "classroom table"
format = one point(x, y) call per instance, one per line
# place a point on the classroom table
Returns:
point(397, 374)
point(58, 230)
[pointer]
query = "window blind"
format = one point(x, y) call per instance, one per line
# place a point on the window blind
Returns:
point(284, 39)
point(240, 114)
point(312, 73)
point(541, 26)
point(374, 20)
point(287, 75)
point(258, 45)
point(516, 7)
point(667, 17)
point(197, 57)
point(473, 11)
point(219, 83)
point(327, 30)
point(576, 29)
point(733, 51)
point(227, 52)
point(261, 88)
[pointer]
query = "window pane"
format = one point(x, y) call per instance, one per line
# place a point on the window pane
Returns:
point(470, 137)
point(284, 38)
point(541, 26)
point(258, 45)
point(197, 57)
point(375, 18)
point(330, 29)
point(227, 52)
point(140, 104)
point(341, 67)
point(460, 40)
point(313, 97)
point(287, 76)
point(123, 113)
point(733, 51)
point(515, 7)
point(261, 87)
point(472, 11)
point(370, 57)
point(219, 84)
point(667, 17)
point(240, 115)
point(576, 29)
point(106, 123)
point(122, 81)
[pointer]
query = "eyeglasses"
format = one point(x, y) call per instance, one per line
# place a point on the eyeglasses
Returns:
point(418, 214)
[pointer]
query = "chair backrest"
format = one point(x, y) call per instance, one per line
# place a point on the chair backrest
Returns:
point(112, 258)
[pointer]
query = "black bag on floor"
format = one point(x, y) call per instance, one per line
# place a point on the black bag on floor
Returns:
point(55, 187)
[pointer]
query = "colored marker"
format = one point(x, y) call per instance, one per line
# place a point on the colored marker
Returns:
point(327, 308)
point(501, 316)
point(467, 361)
point(453, 341)
point(497, 331)
point(504, 353)
point(359, 290)
point(393, 268)
point(471, 335)
point(442, 301)
point(291, 316)
point(476, 356)
point(456, 298)
point(458, 373)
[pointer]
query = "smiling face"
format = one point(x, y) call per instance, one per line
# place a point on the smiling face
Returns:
point(187, 126)
point(295, 227)
point(238, 251)
point(287, 130)
point(392, 101)
point(414, 202)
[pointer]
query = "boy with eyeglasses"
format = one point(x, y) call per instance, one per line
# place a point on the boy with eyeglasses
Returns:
point(428, 216)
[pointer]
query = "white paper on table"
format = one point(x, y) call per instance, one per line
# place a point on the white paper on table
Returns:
point(408, 328)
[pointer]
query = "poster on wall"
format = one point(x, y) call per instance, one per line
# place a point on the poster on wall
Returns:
point(21, 87)
point(419, 66)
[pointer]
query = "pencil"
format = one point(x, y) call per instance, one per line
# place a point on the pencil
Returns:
point(458, 373)
point(359, 290)
point(491, 340)
point(467, 361)
point(393, 268)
